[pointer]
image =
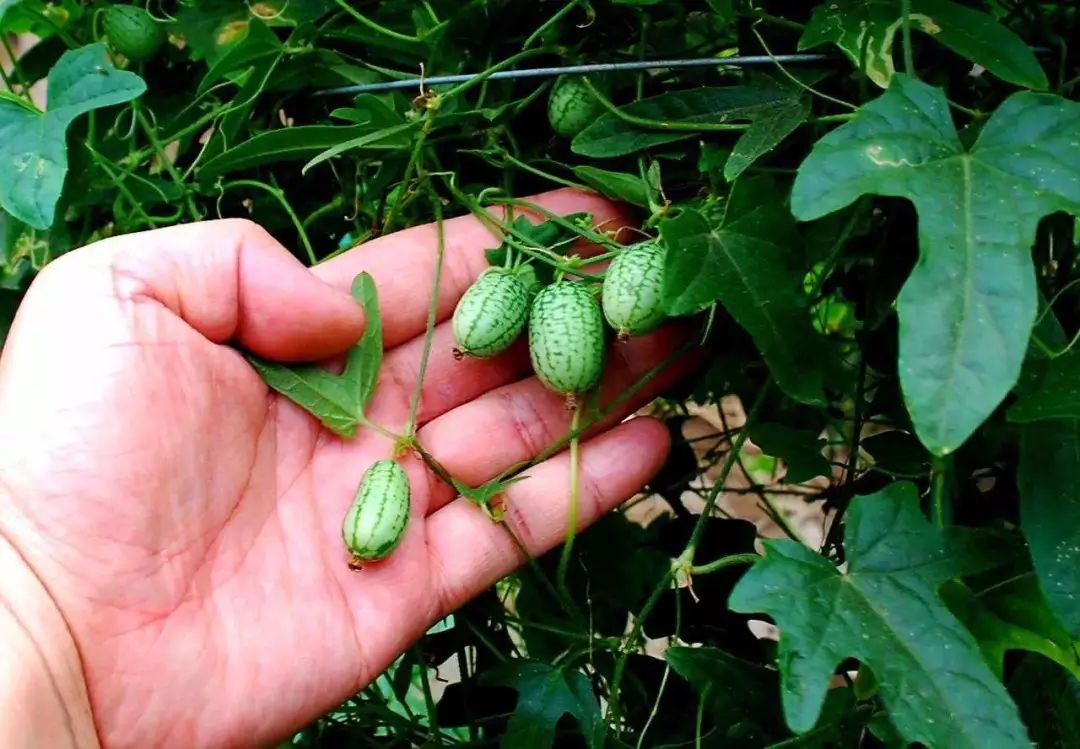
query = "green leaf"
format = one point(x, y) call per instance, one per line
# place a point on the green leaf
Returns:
point(286, 144)
point(545, 694)
point(883, 609)
point(748, 262)
point(869, 27)
point(800, 449)
point(5, 6)
point(365, 358)
point(383, 136)
point(337, 401)
point(33, 153)
point(616, 185)
point(767, 130)
point(258, 43)
point(967, 309)
point(322, 394)
point(612, 136)
point(1011, 616)
point(1048, 477)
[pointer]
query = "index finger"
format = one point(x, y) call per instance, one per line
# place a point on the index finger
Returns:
point(403, 263)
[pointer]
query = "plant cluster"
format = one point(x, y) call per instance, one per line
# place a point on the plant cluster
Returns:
point(874, 249)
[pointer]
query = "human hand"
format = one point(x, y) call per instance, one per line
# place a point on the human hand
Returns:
point(186, 521)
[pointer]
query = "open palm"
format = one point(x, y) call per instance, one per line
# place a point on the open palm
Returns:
point(186, 521)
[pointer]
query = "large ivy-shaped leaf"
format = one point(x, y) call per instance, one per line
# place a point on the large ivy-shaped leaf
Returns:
point(748, 261)
point(33, 154)
point(545, 694)
point(866, 29)
point(884, 610)
point(967, 309)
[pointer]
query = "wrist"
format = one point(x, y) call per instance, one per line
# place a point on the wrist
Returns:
point(42, 688)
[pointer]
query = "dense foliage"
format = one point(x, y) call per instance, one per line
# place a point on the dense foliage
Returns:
point(875, 249)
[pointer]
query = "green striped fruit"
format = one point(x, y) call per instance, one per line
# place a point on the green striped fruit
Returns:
point(375, 523)
point(633, 290)
point(572, 106)
point(133, 32)
point(491, 314)
point(566, 337)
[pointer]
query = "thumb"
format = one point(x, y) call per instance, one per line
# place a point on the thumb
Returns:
point(230, 281)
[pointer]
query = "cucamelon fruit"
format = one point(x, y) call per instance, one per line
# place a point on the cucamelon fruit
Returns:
point(633, 290)
point(375, 523)
point(133, 32)
point(572, 106)
point(491, 314)
point(566, 337)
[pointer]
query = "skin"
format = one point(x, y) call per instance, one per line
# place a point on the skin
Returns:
point(171, 565)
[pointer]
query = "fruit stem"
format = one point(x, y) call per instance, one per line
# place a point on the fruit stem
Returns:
point(433, 311)
point(572, 515)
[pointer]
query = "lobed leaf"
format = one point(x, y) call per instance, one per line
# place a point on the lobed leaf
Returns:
point(966, 311)
point(884, 610)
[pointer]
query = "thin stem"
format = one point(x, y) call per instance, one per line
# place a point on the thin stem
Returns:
point(558, 16)
point(686, 558)
point(378, 28)
point(656, 702)
point(793, 79)
point(572, 514)
point(508, 234)
point(832, 538)
point(279, 195)
point(324, 210)
point(699, 719)
point(774, 514)
point(410, 167)
point(541, 173)
point(728, 561)
point(776, 20)
point(433, 311)
point(939, 490)
point(166, 162)
point(909, 55)
point(672, 126)
point(363, 422)
point(429, 701)
point(725, 471)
